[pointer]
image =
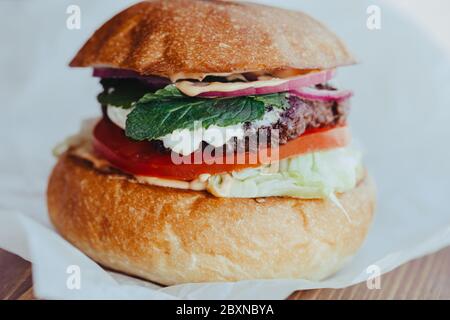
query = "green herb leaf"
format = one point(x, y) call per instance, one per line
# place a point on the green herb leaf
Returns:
point(170, 91)
point(276, 100)
point(153, 118)
point(121, 93)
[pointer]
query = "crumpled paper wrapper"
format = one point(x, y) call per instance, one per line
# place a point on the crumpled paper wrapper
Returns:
point(401, 114)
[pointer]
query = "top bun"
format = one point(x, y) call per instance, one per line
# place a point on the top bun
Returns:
point(176, 37)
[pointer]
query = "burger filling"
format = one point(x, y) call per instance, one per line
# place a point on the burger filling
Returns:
point(291, 121)
point(237, 138)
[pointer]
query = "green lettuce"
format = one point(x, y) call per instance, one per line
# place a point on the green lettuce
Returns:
point(311, 176)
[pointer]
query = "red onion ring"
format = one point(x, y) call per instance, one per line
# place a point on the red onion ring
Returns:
point(321, 94)
point(299, 86)
point(152, 81)
point(115, 73)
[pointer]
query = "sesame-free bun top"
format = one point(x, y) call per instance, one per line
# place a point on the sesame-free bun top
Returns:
point(173, 37)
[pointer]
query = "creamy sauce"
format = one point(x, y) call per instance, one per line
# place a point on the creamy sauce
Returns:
point(196, 185)
point(197, 76)
point(275, 78)
point(279, 73)
point(118, 115)
point(186, 141)
point(269, 118)
point(193, 89)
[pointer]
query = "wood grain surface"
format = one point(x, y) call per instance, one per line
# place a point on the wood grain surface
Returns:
point(425, 278)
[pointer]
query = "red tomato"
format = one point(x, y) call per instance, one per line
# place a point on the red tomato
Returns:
point(141, 158)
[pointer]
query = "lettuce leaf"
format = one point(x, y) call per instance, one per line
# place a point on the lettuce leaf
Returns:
point(123, 93)
point(311, 176)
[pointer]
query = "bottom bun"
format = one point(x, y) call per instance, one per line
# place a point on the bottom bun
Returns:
point(173, 236)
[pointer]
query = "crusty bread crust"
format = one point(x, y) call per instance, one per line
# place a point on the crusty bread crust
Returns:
point(169, 37)
point(173, 236)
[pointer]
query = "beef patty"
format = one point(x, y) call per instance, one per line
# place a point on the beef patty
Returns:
point(306, 114)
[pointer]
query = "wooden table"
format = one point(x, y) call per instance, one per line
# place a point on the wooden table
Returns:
point(425, 278)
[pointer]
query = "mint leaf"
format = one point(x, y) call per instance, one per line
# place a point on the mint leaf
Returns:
point(170, 91)
point(275, 100)
point(121, 93)
point(153, 118)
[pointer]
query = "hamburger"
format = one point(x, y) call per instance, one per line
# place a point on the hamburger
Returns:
point(223, 151)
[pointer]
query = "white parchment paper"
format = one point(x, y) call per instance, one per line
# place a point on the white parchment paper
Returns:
point(401, 114)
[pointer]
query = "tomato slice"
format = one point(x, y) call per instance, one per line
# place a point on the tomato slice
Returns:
point(141, 157)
